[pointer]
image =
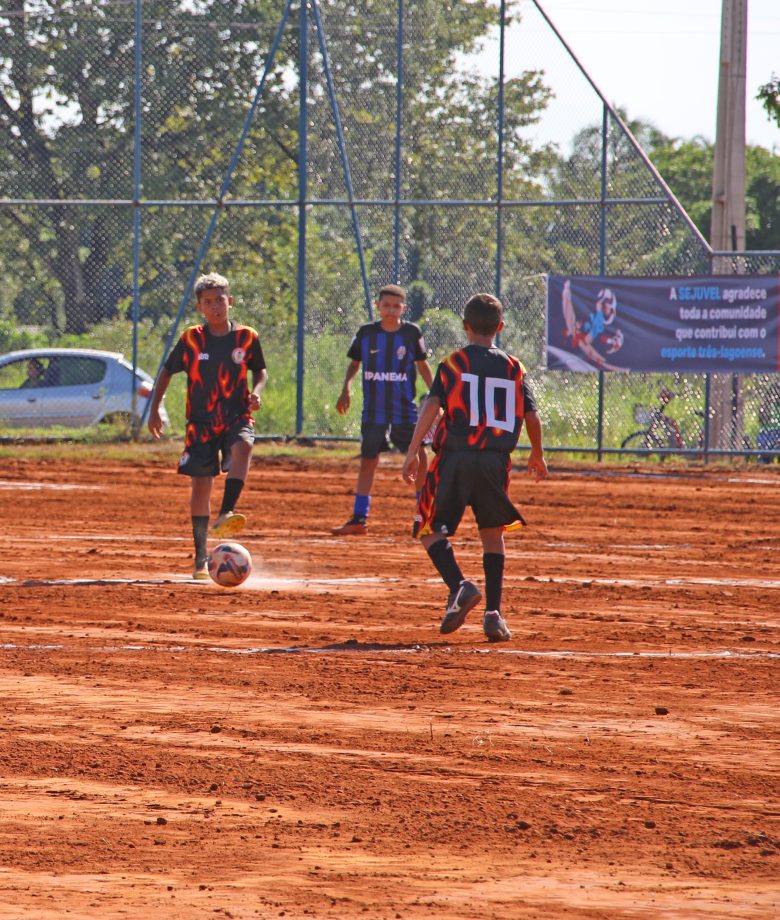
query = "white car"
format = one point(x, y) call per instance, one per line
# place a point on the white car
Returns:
point(72, 387)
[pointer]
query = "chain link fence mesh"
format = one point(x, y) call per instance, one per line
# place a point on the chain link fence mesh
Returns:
point(414, 173)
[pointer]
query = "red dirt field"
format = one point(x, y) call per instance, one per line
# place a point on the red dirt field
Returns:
point(308, 745)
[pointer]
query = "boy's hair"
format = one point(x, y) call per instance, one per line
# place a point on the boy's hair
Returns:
point(483, 314)
point(393, 290)
point(207, 282)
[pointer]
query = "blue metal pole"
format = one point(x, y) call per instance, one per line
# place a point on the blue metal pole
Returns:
point(136, 198)
point(399, 99)
point(303, 116)
point(604, 191)
point(603, 260)
point(500, 157)
point(223, 191)
point(343, 154)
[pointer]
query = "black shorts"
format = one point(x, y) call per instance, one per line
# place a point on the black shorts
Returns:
point(373, 438)
point(205, 455)
point(458, 479)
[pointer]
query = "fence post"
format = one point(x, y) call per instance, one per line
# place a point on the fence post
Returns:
point(602, 263)
point(136, 426)
point(399, 100)
point(500, 156)
point(303, 116)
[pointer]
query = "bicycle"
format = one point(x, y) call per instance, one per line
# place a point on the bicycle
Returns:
point(661, 432)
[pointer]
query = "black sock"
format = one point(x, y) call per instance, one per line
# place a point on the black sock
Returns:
point(443, 557)
point(493, 564)
point(200, 532)
point(233, 489)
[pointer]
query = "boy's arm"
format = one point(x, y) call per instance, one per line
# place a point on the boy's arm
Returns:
point(259, 379)
point(428, 414)
point(537, 465)
point(342, 403)
point(424, 370)
point(154, 422)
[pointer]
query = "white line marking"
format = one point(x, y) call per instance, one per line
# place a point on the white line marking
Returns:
point(378, 648)
point(254, 581)
point(36, 486)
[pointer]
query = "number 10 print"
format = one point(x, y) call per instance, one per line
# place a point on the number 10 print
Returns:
point(492, 384)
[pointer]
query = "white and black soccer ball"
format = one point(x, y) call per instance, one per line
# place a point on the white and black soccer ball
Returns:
point(230, 564)
point(614, 341)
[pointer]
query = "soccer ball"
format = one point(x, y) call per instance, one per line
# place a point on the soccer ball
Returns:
point(230, 564)
point(614, 341)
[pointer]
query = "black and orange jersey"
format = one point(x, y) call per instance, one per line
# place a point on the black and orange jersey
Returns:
point(216, 368)
point(485, 395)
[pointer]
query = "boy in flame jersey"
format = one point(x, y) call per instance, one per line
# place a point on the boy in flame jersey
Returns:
point(485, 398)
point(216, 356)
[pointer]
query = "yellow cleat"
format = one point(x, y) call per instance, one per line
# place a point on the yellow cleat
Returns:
point(201, 571)
point(228, 524)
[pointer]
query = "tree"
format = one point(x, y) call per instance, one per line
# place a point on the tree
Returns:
point(769, 95)
point(66, 111)
point(687, 168)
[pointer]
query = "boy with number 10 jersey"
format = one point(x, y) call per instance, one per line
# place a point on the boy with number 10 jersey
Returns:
point(485, 398)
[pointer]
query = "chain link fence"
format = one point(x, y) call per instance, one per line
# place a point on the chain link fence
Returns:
point(312, 152)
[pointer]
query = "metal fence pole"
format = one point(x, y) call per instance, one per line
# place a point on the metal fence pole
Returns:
point(602, 263)
point(399, 100)
point(500, 156)
point(136, 208)
point(303, 116)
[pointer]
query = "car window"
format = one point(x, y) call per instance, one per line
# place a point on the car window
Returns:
point(15, 375)
point(66, 371)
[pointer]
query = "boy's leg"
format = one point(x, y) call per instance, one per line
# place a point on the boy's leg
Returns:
point(401, 436)
point(229, 522)
point(200, 500)
point(493, 558)
point(464, 595)
point(365, 479)
point(356, 525)
point(419, 482)
point(373, 441)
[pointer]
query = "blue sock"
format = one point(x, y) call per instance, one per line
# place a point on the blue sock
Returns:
point(361, 506)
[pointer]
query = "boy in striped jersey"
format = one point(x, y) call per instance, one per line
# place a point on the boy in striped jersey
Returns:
point(391, 352)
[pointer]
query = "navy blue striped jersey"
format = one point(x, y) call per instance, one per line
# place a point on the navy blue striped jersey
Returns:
point(389, 372)
point(485, 395)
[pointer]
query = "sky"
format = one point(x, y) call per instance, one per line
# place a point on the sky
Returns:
point(656, 59)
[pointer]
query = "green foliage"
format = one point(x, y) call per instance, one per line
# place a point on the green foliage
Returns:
point(687, 167)
point(769, 95)
point(12, 338)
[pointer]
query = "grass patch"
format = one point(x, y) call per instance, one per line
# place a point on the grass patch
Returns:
point(54, 448)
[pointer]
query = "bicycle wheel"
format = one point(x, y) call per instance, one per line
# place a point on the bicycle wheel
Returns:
point(635, 441)
point(665, 435)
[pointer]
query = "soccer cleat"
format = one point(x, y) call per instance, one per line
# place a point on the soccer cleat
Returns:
point(355, 526)
point(459, 603)
point(495, 627)
point(228, 524)
point(201, 570)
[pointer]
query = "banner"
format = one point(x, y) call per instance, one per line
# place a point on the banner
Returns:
point(711, 323)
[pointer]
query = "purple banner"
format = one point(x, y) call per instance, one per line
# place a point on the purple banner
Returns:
point(711, 323)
